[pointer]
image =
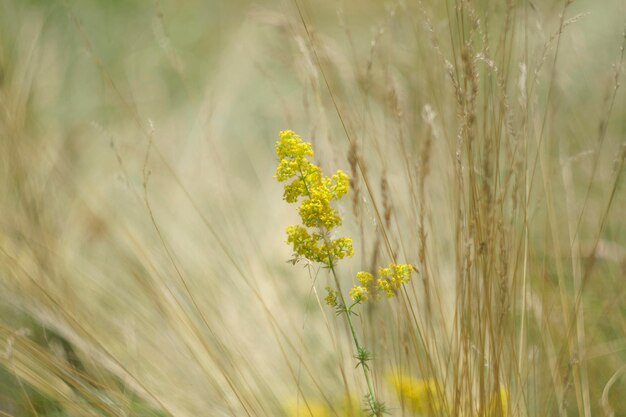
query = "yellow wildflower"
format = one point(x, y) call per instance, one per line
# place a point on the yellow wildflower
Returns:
point(367, 285)
point(389, 280)
point(331, 297)
point(385, 286)
point(342, 247)
point(318, 191)
point(365, 278)
point(340, 184)
point(358, 293)
point(291, 146)
point(303, 243)
point(316, 212)
point(294, 190)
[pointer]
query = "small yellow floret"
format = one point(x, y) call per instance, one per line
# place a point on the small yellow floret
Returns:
point(318, 213)
point(293, 191)
point(365, 278)
point(340, 184)
point(391, 279)
point(342, 247)
point(401, 273)
point(358, 292)
point(331, 297)
point(303, 243)
point(385, 286)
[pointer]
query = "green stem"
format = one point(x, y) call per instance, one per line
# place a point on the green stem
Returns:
point(373, 402)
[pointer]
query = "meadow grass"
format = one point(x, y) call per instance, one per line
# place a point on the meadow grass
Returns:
point(144, 269)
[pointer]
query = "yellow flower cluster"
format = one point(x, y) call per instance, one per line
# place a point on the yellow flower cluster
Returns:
point(308, 181)
point(389, 281)
point(362, 292)
point(331, 297)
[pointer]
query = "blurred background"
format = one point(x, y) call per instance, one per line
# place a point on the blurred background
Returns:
point(142, 255)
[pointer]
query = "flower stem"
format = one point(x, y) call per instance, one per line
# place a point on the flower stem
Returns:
point(371, 399)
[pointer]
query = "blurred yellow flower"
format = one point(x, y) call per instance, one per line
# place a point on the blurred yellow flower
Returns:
point(331, 297)
point(421, 396)
point(309, 408)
